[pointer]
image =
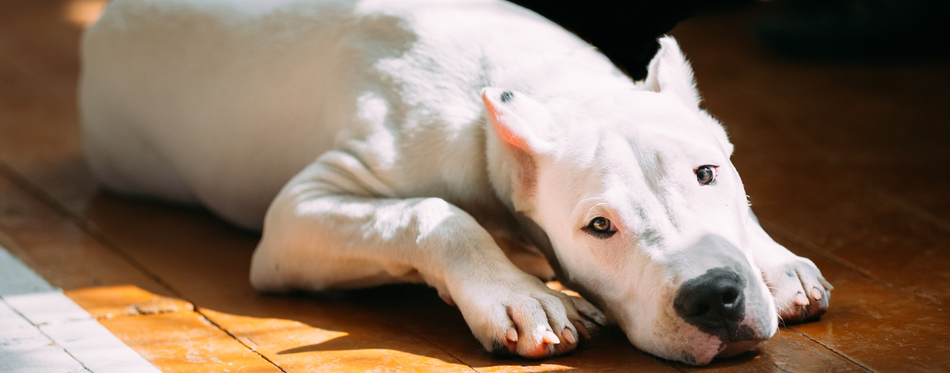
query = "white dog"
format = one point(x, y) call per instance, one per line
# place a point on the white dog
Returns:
point(463, 144)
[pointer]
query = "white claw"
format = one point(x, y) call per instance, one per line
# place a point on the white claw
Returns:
point(801, 299)
point(569, 336)
point(512, 335)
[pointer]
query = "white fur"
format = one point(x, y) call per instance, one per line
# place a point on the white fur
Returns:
point(361, 128)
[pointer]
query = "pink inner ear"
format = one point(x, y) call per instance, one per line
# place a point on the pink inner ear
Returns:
point(517, 145)
point(503, 131)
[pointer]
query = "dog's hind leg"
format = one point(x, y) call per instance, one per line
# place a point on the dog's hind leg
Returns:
point(122, 160)
point(324, 231)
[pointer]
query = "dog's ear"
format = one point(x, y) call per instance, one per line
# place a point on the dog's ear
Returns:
point(669, 72)
point(516, 120)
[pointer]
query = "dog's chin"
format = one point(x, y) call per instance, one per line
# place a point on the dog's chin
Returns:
point(736, 348)
point(724, 351)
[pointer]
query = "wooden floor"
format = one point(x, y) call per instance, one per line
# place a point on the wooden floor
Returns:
point(847, 163)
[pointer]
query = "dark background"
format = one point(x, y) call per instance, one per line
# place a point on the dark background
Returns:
point(626, 31)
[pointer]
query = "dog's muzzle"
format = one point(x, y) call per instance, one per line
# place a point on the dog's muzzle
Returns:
point(714, 303)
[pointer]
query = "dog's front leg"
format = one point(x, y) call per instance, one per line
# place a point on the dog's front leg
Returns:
point(319, 236)
point(799, 289)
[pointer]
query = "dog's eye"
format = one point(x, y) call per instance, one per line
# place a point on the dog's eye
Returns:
point(600, 227)
point(706, 174)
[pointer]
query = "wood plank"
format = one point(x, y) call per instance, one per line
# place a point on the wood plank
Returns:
point(296, 346)
point(108, 302)
point(185, 342)
point(877, 325)
point(39, 36)
point(868, 231)
point(58, 250)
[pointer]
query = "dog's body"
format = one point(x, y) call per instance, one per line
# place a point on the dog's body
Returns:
point(423, 174)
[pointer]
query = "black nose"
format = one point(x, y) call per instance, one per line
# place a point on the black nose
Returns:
point(714, 303)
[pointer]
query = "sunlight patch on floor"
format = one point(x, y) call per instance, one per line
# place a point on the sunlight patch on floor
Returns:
point(83, 13)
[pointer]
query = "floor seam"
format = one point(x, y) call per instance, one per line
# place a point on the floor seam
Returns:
point(254, 350)
point(36, 192)
point(847, 264)
point(913, 209)
point(443, 350)
point(817, 249)
point(836, 352)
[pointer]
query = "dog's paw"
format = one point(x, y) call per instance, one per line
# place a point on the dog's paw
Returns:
point(799, 290)
point(521, 316)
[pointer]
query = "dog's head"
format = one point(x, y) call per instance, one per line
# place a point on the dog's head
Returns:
point(643, 211)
